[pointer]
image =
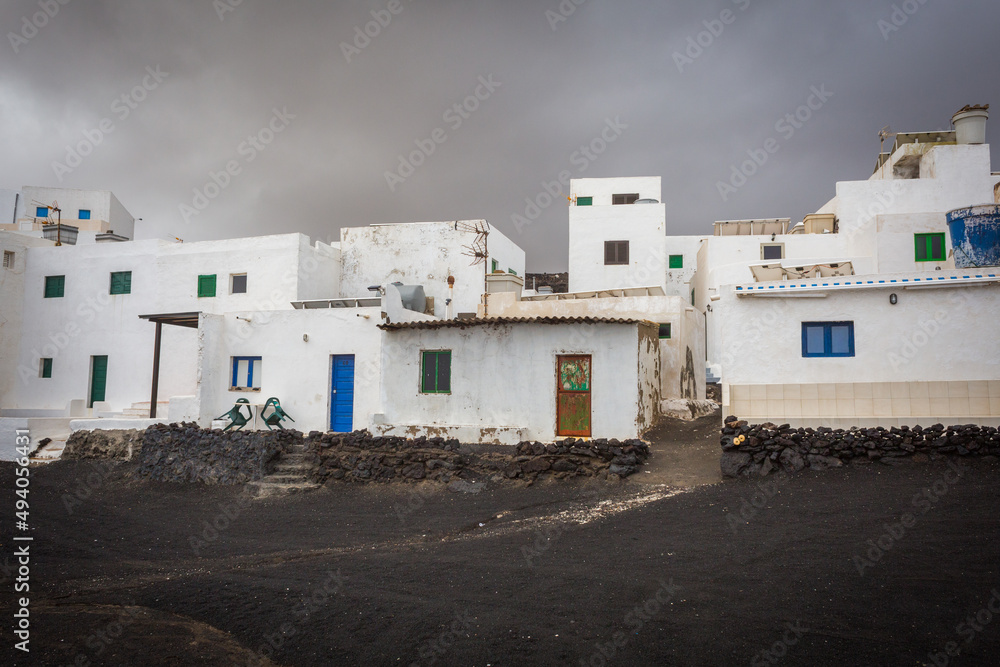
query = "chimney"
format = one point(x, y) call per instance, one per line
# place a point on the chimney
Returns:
point(970, 124)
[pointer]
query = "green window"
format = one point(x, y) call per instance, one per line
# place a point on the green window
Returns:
point(584, 201)
point(435, 372)
point(46, 368)
point(665, 330)
point(677, 261)
point(206, 285)
point(512, 272)
point(54, 286)
point(121, 282)
point(929, 247)
point(494, 266)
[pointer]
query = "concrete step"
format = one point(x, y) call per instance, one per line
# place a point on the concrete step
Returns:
point(291, 468)
point(265, 488)
point(285, 478)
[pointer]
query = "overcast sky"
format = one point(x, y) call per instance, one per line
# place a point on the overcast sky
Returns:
point(148, 100)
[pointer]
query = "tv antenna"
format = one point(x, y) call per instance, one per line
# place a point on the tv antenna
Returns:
point(54, 206)
point(478, 250)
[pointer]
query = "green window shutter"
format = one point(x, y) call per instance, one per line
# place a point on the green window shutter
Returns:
point(665, 330)
point(512, 272)
point(121, 282)
point(206, 285)
point(435, 372)
point(494, 266)
point(46, 368)
point(584, 201)
point(929, 248)
point(677, 261)
point(55, 286)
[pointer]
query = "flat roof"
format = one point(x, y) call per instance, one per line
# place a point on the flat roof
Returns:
point(189, 320)
point(485, 321)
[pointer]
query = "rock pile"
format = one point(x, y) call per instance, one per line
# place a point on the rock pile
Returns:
point(361, 457)
point(187, 453)
point(763, 448)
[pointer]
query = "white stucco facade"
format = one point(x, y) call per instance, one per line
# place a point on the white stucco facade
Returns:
point(296, 348)
point(504, 379)
point(424, 253)
point(877, 223)
point(87, 320)
point(933, 356)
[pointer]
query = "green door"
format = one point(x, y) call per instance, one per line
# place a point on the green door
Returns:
point(98, 378)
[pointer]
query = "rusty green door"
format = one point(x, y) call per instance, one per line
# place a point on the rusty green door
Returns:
point(573, 395)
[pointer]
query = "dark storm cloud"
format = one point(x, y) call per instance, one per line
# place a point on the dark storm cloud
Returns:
point(347, 117)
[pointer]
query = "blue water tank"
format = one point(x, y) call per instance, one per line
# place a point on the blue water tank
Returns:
point(975, 235)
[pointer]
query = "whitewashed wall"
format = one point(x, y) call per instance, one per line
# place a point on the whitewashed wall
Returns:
point(642, 225)
point(421, 254)
point(505, 376)
point(687, 328)
point(89, 321)
point(12, 311)
point(907, 356)
point(295, 370)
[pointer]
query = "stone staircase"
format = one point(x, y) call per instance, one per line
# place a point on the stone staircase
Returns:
point(290, 475)
point(140, 410)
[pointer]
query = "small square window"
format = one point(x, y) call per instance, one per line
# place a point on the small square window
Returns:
point(121, 282)
point(630, 198)
point(55, 286)
point(45, 367)
point(770, 251)
point(42, 212)
point(677, 261)
point(8, 259)
point(929, 248)
point(206, 285)
point(828, 339)
point(665, 331)
point(246, 373)
point(238, 283)
point(435, 372)
point(615, 252)
point(494, 266)
point(84, 214)
point(584, 201)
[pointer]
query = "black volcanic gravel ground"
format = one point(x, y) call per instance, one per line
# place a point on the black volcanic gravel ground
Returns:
point(402, 575)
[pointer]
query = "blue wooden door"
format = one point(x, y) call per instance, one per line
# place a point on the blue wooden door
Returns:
point(342, 394)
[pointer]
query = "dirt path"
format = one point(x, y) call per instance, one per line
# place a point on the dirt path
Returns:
point(685, 454)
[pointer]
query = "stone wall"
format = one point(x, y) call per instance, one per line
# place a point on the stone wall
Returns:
point(183, 452)
point(116, 445)
point(761, 449)
point(187, 453)
point(361, 457)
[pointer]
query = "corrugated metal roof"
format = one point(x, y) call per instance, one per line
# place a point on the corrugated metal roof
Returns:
point(479, 321)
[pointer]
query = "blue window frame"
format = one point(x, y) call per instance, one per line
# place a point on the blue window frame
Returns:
point(84, 214)
point(246, 373)
point(828, 339)
point(42, 212)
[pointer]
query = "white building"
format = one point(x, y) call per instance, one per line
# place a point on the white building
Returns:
point(96, 214)
point(893, 222)
point(617, 238)
point(902, 330)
